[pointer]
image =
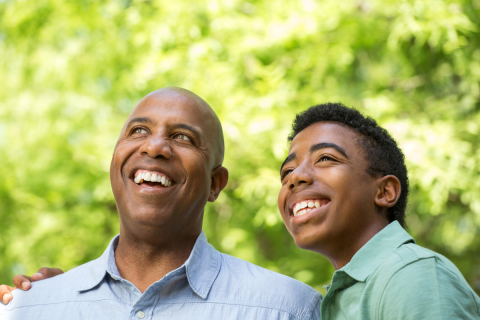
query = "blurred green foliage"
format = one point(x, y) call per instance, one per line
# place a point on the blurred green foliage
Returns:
point(70, 72)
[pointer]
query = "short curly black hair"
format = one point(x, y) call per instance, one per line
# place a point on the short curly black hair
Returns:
point(380, 149)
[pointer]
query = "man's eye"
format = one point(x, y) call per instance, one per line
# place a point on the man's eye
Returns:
point(182, 137)
point(139, 130)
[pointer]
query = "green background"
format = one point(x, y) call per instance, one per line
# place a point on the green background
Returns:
point(71, 71)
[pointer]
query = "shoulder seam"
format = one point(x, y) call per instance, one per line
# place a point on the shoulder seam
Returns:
point(308, 312)
point(401, 264)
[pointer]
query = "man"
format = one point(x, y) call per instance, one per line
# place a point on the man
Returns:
point(166, 165)
point(344, 193)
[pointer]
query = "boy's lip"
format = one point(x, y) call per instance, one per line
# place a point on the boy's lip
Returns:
point(305, 196)
point(305, 205)
point(300, 219)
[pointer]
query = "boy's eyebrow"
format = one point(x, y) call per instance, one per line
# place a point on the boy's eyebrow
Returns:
point(324, 145)
point(315, 147)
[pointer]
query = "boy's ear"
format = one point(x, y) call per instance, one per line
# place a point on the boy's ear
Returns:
point(389, 190)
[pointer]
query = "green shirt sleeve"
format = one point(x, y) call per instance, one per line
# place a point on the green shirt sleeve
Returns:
point(427, 289)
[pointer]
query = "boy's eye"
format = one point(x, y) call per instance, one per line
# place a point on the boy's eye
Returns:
point(284, 174)
point(182, 137)
point(325, 158)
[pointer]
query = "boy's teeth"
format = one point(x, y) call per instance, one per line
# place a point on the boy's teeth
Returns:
point(154, 177)
point(303, 207)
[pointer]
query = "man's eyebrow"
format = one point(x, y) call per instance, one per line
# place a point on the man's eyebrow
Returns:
point(139, 119)
point(324, 145)
point(287, 160)
point(194, 130)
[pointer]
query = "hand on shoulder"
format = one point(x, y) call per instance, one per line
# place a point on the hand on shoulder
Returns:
point(25, 282)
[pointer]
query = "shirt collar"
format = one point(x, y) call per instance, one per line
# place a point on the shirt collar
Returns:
point(202, 267)
point(375, 250)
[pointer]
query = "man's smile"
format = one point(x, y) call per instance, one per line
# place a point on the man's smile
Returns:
point(151, 179)
point(154, 177)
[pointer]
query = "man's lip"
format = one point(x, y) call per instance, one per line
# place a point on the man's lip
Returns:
point(152, 169)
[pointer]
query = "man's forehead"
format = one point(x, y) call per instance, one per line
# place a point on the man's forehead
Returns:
point(169, 106)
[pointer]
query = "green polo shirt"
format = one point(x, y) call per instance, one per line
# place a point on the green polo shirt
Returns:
point(391, 277)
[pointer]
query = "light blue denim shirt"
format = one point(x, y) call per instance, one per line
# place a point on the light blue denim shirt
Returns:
point(210, 285)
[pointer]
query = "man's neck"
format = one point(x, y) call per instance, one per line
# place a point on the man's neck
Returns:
point(143, 263)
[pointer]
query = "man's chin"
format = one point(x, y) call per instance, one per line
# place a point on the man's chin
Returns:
point(151, 215)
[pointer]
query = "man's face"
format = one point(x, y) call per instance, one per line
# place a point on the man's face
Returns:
point(168, 136)
point(327, 196)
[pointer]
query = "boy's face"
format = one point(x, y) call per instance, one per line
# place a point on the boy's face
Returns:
point(326, 171)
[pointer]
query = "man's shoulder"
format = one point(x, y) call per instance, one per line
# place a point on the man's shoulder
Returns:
point(251, 274)
point(61, 288)
point(245, 282)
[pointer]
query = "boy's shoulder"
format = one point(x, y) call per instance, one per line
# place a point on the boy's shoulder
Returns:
point(421, 276)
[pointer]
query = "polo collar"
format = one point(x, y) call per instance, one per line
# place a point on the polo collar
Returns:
point(369, 257)
point(202, 267)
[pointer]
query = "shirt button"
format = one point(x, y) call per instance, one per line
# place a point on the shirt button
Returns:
point(140, 314)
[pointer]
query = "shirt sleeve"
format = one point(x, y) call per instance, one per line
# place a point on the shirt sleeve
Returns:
point(425, 289)
point(316, 311)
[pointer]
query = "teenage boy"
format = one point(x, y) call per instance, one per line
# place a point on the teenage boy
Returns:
point(344, 194)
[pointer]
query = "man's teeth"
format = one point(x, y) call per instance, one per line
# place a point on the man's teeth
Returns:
point(305, 206)
point(152, 177)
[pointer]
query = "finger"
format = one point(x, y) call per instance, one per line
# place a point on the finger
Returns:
point(6, 293)
point(45, 273)
point(22, 282)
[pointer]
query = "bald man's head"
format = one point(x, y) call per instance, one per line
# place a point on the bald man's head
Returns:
point(198, 106)
point(167, 164)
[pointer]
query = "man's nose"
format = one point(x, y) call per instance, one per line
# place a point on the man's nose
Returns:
point(301, 176)
point(157, 146)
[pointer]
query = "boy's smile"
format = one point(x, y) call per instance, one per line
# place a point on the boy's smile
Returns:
point(327, 199)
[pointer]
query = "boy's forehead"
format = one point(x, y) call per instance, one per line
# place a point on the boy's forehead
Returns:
point(325, 132)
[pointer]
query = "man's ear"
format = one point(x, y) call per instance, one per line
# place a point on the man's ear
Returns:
point(389, 190)
point(219, 181)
